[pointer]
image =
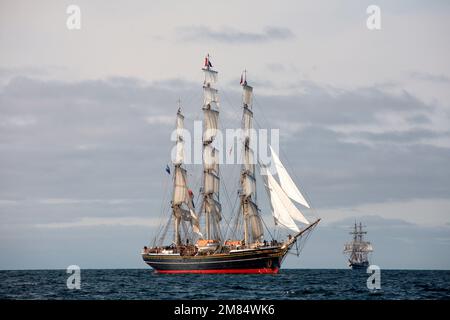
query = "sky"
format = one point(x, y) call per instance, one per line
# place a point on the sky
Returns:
point(86, 117)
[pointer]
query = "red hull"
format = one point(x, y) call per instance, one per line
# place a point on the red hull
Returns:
point(223, 271)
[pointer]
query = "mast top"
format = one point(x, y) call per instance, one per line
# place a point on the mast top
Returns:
point(179, 105)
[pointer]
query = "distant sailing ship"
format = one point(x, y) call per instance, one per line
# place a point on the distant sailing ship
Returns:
point(358, 249)
point(199, 245)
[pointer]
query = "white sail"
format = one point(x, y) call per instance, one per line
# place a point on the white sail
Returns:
point(179, 147)
point(249, 162)
point(180, 193)
point(248, 185)
point(286, 181)
point(180, 125)
point(195, 223)
point(210, 95)
point(211, 183)
point(247, 125)
point(254, 219)
point(283, 208)
point(179, 153)
point(247, 95)
point(211, 118)
point(211, 76)
point(211, 158)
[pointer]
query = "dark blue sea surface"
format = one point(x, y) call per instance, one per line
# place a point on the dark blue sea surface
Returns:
point(288, 284)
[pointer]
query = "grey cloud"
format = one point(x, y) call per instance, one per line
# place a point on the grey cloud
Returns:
point(233, 36)
point(408, 136)
point(425, 76)
point(91, 140)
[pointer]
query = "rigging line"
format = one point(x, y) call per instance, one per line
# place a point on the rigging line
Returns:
point(265, 225)
point(226, 195)
point(232, 207)
point(163, 208)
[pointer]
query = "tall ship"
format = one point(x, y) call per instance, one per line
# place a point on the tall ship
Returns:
point(204, 239)
point(358, 249)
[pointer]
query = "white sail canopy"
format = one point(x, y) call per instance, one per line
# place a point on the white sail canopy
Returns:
point(286, 181)
point(179, 153)
point(248, 185)
point(247, 123)
point(211, 158)
point(195, 223)
point(211, 183)
point(179, 147)
point(211, 76)
point(284, 210)
point(180, 193)
point(211, 124)
point(180, 125)
point(254, 219)
point(249, 162)
point(210, 95)
point(247, 95)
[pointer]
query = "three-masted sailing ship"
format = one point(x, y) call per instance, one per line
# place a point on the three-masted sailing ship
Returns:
point(358, 249)
point(204, 248)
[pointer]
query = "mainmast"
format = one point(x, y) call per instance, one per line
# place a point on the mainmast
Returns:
point(253, 228)
point(211, 206)
point(182, 204)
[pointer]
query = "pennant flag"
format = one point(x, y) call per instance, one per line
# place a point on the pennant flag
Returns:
point(242, 79)
point(208, 63)
point(168, 169)
point(191, 194)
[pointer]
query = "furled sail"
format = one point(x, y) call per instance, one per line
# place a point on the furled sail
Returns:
point(286, 181)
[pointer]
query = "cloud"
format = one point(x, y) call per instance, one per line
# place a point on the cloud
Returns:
point(425, 76)
point(96, 154)
point(102, 222)
point(232, 36)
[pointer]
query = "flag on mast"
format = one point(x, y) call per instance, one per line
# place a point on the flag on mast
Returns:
point(208, 63)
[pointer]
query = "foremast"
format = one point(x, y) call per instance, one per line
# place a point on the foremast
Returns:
point(253, 228)
point(182, 202)
point(211, 206)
